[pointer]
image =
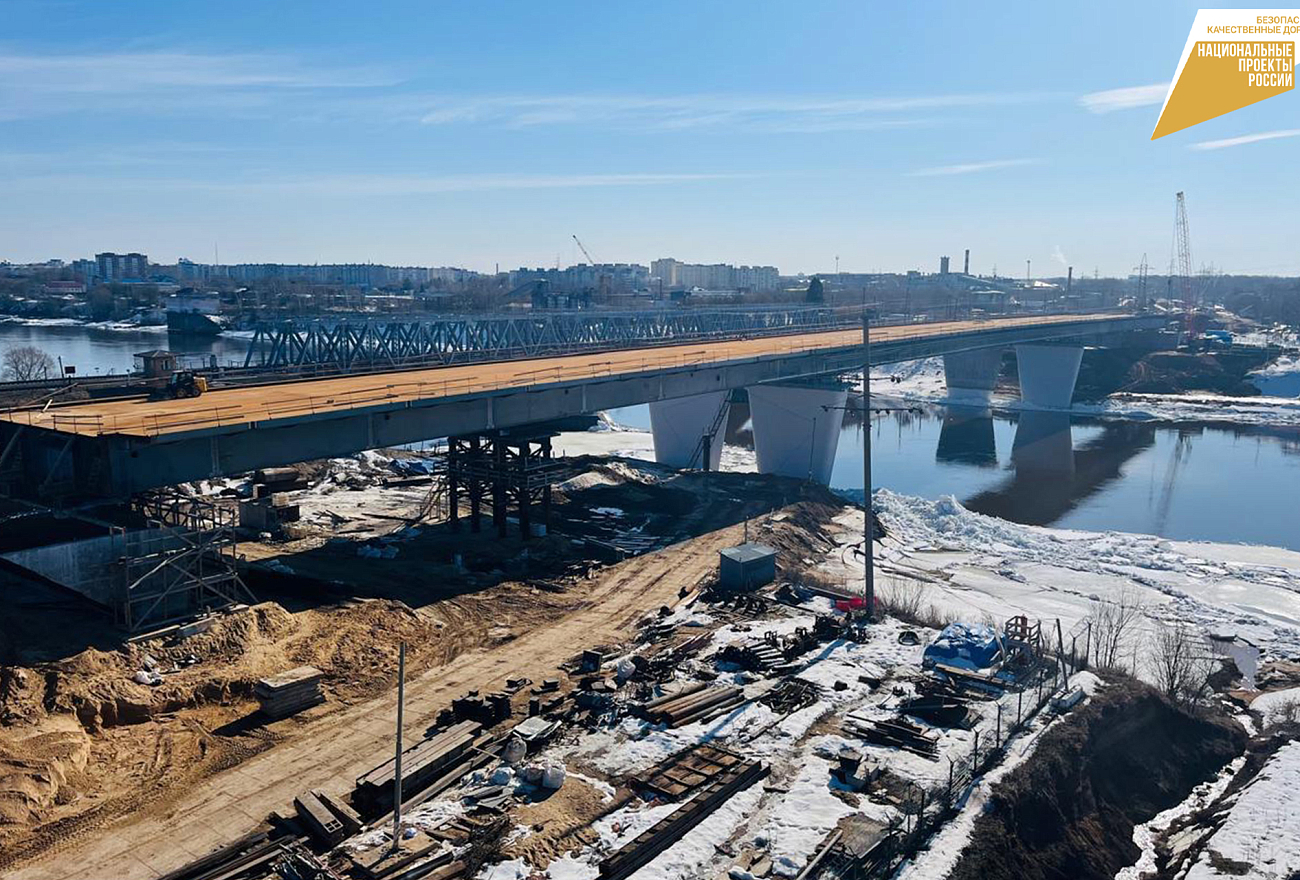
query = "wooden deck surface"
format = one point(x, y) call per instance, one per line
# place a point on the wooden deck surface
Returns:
point(256, 403)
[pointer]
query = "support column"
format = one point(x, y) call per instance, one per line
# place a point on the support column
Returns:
point(972, 375)
point(796, 429)
point(1048, 373)
point(680, 425)
point(967, 436)
point(1043, 444)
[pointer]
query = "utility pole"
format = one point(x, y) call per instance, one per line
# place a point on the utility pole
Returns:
point(869, 525)
point(397, 769)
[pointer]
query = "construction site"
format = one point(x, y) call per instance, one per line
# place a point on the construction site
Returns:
point(508, 651)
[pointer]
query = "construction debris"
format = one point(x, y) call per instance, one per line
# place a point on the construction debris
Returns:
point(790, 695)
point(899, 733)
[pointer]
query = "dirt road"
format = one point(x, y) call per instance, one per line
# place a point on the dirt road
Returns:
point(331, 752)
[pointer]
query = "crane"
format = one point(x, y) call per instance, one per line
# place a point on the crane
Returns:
point(1183, 242)
point(587, 255)
point(1142, 269)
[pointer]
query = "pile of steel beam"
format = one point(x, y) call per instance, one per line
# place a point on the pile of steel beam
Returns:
point(289, 692)
point(421, 763)
point(673, 827)
point(683, 773)
point(697, 702)
point(251, 856)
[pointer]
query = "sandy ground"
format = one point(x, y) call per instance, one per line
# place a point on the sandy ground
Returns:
point(329, 751)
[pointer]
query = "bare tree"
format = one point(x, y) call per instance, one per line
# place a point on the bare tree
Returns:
point(1111, 622)
point(24, 363)
point(1182, 664)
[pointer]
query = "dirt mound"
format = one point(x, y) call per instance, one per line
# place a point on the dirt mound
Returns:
point(1169, 372)
point(34, 773)
point(1070, 810)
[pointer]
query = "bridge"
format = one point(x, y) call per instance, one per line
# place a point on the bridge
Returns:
point(118, 447)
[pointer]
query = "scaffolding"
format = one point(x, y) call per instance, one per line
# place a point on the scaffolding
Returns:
point(184, 563)
point(503, 470)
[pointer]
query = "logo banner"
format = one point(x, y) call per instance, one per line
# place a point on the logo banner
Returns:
point(1233, 58)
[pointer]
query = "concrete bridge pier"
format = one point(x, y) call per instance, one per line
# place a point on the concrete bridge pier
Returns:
point(967, 437)
point(685, 426)
point(796, 429)
point(972, 375)
point(1048, 374)
point(1044, 444)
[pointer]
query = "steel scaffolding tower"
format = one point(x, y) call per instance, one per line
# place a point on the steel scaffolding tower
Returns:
point(184, 563)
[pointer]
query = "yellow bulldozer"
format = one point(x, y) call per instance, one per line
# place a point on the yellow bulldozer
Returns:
point(181, 383)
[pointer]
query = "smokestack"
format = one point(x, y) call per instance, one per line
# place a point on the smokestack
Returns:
point(1069, 280)
point(966, 270)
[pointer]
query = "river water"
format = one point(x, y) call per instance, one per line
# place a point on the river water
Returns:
point(1192, 482)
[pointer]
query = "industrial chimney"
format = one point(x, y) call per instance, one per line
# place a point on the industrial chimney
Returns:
point(966, 269)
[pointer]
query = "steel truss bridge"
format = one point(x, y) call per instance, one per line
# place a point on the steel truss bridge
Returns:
point(345, 344)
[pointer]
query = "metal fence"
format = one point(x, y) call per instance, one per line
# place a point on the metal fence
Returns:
point(927, 809)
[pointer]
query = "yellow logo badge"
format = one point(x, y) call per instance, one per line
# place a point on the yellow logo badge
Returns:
point(1233, 58)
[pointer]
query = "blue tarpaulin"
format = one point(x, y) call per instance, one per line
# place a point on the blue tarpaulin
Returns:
point(965, 645)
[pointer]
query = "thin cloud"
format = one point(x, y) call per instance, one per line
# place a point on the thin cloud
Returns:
point(973, 167)
point(1124, 99)
point(1245, 139)
point(683, 112)
point(388, 185)
point(41, 85)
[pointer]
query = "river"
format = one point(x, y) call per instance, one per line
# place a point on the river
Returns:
point(1185, 481)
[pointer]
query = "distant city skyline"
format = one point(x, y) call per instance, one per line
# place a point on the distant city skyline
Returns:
point(752, 135)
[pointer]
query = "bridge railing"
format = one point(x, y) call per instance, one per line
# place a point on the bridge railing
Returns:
point(421, 386)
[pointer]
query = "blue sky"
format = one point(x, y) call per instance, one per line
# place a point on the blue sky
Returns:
point(477, 134)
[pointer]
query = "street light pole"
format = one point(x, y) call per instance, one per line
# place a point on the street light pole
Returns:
point(869, 529)
point(397, 760)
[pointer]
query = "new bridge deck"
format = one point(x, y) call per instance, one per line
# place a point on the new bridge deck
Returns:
point(272, 402)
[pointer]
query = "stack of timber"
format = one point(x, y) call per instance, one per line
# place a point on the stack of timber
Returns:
point(673, 827)
point(421, 764)
point(697, 702)
point(289, 692)
point(896, 732)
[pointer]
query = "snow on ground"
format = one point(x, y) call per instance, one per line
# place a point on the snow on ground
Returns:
point(1281, 378)
point(1261, 836)
point(971, 565)
point(1276, 706)
point(636, 443)
point(1144, 835)
point(944, 850)
point(77, 322)
point(923, 381)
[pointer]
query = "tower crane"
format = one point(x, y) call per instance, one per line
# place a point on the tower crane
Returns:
point(593, 262)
